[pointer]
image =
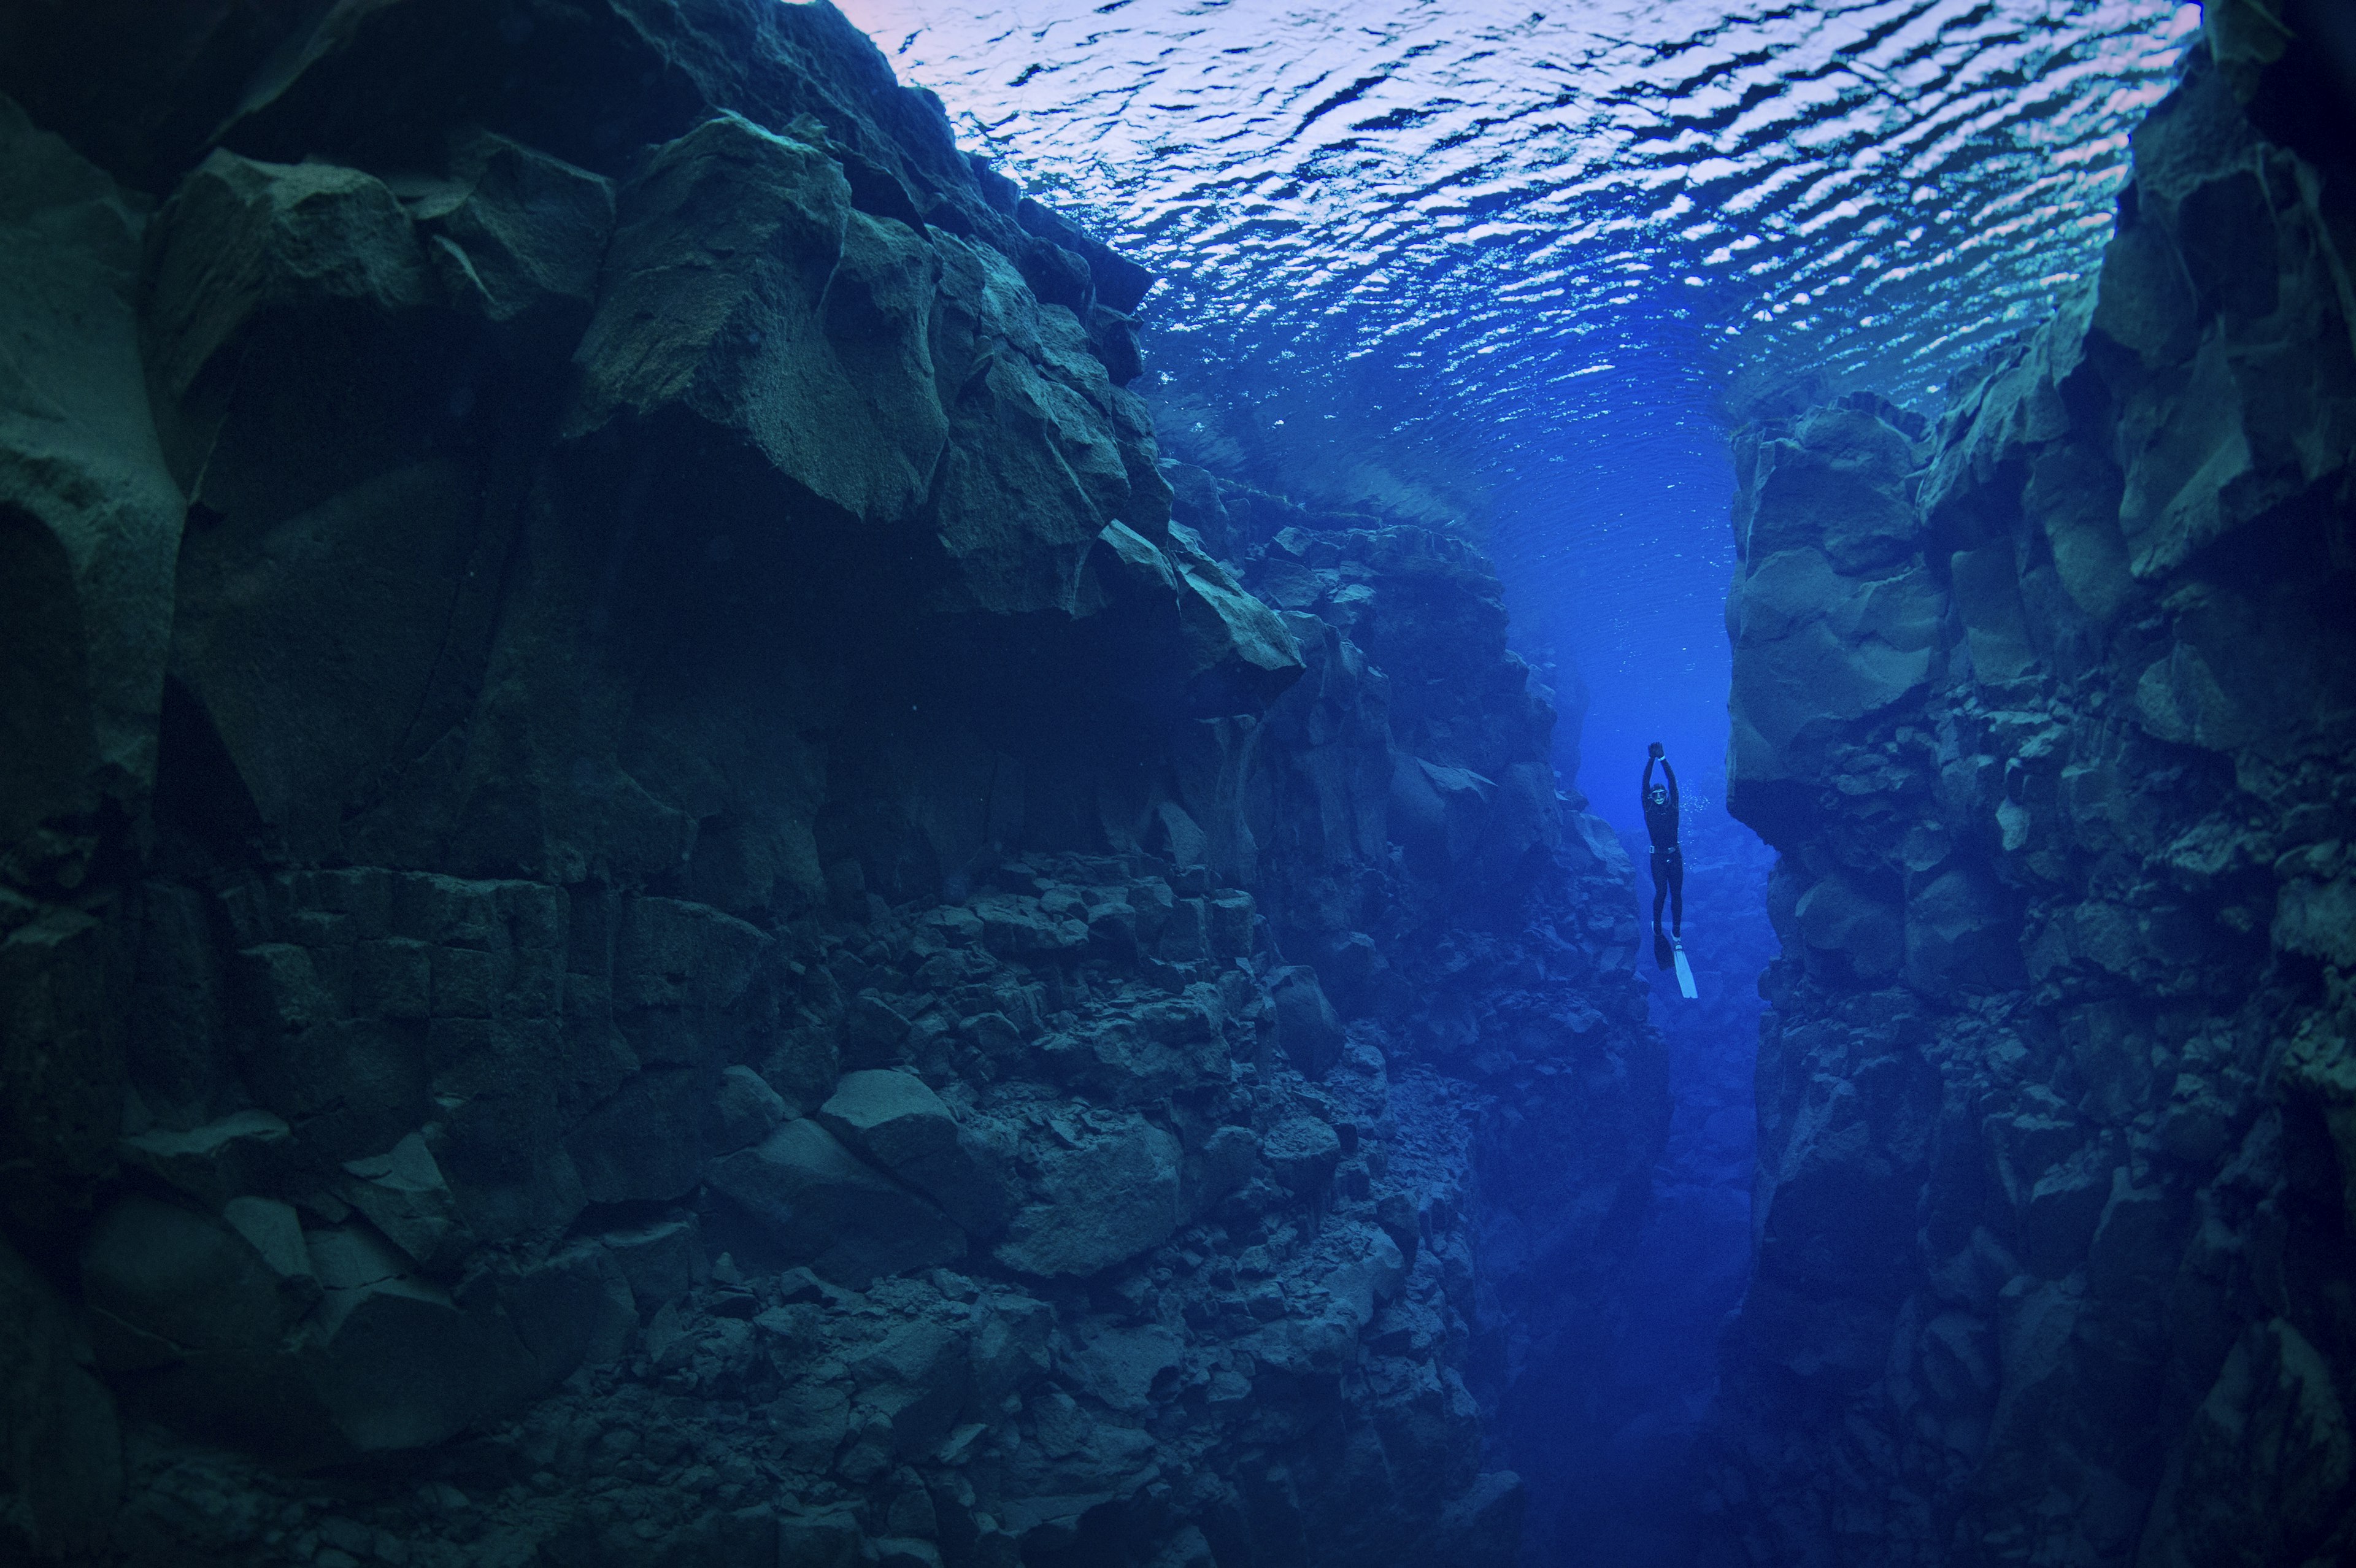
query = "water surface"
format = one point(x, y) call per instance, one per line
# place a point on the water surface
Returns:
point(1513, 261)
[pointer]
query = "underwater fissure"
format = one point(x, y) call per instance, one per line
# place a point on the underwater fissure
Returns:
point(719, 847)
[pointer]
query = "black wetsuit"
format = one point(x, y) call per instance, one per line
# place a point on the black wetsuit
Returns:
point(1669, 862)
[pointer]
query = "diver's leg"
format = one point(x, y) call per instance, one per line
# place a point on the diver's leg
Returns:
point(1661, 952)
point(1676, 895)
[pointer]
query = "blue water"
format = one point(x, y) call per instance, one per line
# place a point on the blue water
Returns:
point(1516, 269)
point(1511, 263)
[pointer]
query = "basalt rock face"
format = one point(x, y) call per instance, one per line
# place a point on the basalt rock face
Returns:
point(1475, 924)
point(2051, 712)
point(633, 851)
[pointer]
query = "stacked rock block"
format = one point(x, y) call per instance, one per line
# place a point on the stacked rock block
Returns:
point(2048, 711)
point(632, 849)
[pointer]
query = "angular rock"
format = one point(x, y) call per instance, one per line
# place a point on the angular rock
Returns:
point(746, 1111)
point(393, 1360)
point(1816, 651)
point(1372, 1275)
point(243, 239)
point(1438, 813)
point(239, 1153)
point(828, 1209)
point(1307, 1026)
point(1959, 932)
point(661, 1262)
point(519, 236)
point(680, 970)
point(1037, 466)
point(646, 1143)
point(1837, 482)
point(1119, 1367)
point(570, 1310)
point(1836, 918)
point(818, 1541)
point(1240, 657)
point(742, 288)
point(60, 1444)
point(163, 1281)
point(89, 516)
point(404, 1195)
point(2267, 1465)
point(1234, 653)
point(1302, 1152)
point(916, 1381)
point(1100, 1202)
point(901, 1124)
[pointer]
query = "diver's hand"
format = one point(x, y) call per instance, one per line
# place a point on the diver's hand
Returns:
point(1656, 750)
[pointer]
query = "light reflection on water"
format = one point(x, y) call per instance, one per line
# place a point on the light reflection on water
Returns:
point(1514, 260)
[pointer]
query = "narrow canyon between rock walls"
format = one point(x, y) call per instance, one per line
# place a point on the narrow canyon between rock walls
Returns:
point(686, 880)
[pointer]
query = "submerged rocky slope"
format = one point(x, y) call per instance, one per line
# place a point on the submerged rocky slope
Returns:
point(652, 911)
point(2051, 712)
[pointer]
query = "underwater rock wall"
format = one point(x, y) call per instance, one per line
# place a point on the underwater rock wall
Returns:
point(1491, 941)
point(652, 911)
point(2051, 712)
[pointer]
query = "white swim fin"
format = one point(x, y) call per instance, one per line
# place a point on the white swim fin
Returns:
point(1684, 973)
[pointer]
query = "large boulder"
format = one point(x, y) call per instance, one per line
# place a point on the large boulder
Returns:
point(1307, 1027)
point(350, 1086)
point(244, 1152)
point(1120, 1367)
point(2266, 1463)
point(517, 236)
point(90, 517)
point(572, 1307)
point(335, 589)
point(60, 1444)
point(393, 1361)
point(742, 290)
point(1836, 481)
point(2247, 413)
point(1961, 932)
point(1816, 651)
point(828, 1209)
point(1437, 814)
point(1302, 1152)
point(1228, 651)
point(901, 1124)
point(917, 1380)
point(314, 1347)
point(1239, 655)
point(1859, 935)
point(1040, 457)
point(1103, 1199)
point(242, 239)
point(404, 1194)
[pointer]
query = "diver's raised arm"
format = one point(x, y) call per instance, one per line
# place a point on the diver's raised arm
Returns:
point(1671, 773)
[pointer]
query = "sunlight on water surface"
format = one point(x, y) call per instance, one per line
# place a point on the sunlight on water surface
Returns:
point(1531, 250)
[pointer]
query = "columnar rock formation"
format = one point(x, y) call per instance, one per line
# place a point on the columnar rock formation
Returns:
point(653, 910)
point(2051, 712)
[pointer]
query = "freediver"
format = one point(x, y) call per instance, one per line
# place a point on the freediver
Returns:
point(1669, 862)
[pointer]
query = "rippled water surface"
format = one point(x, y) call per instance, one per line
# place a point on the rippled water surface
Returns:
point(1515, 259)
